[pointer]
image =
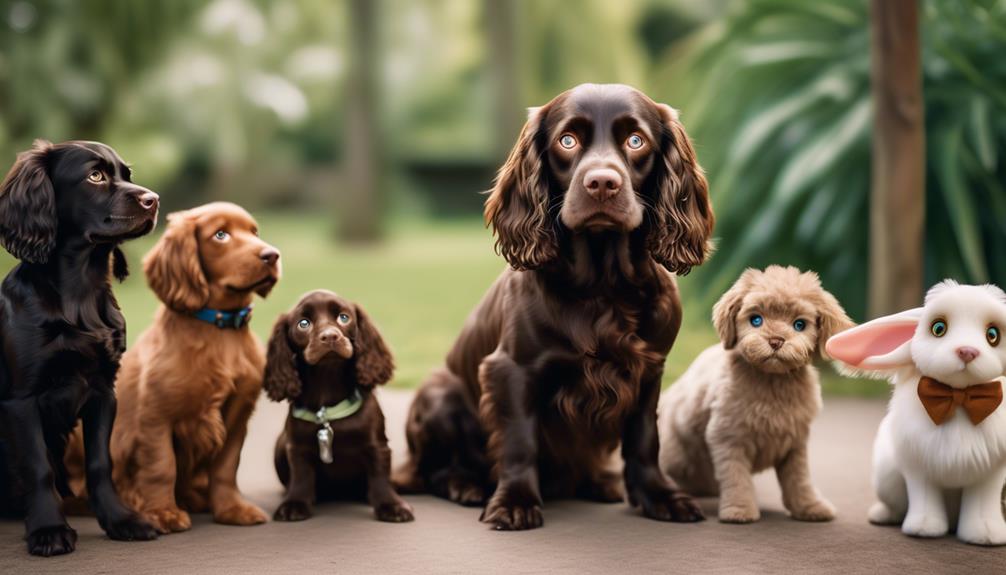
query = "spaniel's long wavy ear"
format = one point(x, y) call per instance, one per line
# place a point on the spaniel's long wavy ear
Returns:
point(517, 207)
point(281, 380)
point(28, 207)
point(373, 361)
point(728, 307)
point(173, 268)
point(683, 213)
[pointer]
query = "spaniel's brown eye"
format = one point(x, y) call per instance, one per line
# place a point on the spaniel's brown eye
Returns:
point(635, 141)
point(567, 141)
point(96, 177)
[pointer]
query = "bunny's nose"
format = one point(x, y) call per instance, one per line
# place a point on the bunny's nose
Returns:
point(967, 354)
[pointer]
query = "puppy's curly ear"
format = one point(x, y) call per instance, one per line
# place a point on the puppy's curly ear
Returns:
point(517, 207)
point(173, 268)
point(373, 361)
point(683, 213)
point(281, 380)
point(831, 320)
point(728, 307)
point(28, 207)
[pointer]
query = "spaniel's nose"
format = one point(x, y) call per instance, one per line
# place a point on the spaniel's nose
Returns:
point(602, 183)
point(148, 200)
point(270, 256)
point(967, 354)
point(329, 335)
point(776, 342)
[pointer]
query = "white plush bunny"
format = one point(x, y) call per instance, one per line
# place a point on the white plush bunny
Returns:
point(939, 459)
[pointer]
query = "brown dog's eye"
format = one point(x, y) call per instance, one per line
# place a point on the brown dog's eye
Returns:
point(221, 236)
point(96, 177)
point(567, 141)
point(635, 142)
point(304, 324)
point(344, 318)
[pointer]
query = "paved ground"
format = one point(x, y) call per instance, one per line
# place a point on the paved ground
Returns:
point(578, 537)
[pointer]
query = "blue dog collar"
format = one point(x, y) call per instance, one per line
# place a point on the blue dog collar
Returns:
point(225, 319)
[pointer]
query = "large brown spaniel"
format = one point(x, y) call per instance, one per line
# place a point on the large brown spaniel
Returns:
point(600, 203)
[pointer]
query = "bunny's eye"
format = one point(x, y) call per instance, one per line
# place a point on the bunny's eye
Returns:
point(992, 335)
point(939, 328)
point(757, 320)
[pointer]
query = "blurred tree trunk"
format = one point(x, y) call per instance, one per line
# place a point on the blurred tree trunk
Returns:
point(897, 207)
point(362, 198)
point(501, 21)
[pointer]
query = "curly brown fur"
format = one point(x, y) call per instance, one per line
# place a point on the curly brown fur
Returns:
point(747, 404)
point(321, 352)
point(600, 199)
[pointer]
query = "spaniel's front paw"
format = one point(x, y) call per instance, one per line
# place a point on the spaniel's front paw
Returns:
point(668, 505)
point(513, 509)
point(240, 513)
point(292, 511)
point(168, 519)
point(49, 541)
point(394, 512)
point(131, 528)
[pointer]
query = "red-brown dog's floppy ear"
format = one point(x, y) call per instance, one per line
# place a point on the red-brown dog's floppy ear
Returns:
point(28, 207)
point(683, 213)
point(517, 207)
point(173, 268)
point(373, 361)
point(281, 380)
point(728, 307)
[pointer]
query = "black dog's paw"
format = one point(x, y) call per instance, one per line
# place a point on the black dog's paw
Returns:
point(292, 511)
point(394, 512)
point(513, 510)
point(131, 528)
point(49, 541)
point(669, 505)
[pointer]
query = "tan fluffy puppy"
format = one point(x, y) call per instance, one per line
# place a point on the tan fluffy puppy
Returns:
point(746, 404)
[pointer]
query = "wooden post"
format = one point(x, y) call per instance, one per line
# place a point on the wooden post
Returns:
point(897, 206)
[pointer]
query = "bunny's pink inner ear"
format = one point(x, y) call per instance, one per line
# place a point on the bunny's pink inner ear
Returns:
point(872, 345)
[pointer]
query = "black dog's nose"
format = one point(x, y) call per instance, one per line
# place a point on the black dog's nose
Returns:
point(602, 183)
point(270, 256)
point(776, 342)
point(148, 200)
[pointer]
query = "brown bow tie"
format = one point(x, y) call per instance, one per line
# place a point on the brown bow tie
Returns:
point(940, 400)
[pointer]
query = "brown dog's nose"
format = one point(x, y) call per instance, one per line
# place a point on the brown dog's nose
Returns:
point(776, 342)
point(602, 183)
point(270, 256)
point(329, 335)
point(967, 353)
point(148, 200)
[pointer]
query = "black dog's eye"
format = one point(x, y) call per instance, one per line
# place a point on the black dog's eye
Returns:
point(96, 177)
point(304, 324)
point(221, 236)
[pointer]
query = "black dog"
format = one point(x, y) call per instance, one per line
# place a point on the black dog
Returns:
point(64, 209)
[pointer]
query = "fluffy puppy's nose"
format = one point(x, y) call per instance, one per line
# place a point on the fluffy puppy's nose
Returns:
point(967, 353)
point(270, 256)
point(776, 342)
point(602, 183)
point(148, 200)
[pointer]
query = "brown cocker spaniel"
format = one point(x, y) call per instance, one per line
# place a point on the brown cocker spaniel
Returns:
point(601, 202)
point(188, 386)
point(325, 357)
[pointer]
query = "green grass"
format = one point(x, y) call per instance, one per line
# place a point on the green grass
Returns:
point(418, 285)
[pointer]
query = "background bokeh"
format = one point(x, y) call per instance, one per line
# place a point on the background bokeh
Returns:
point(360, 132)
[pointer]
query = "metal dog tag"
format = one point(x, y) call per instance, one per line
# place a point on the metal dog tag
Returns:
point(325, 443)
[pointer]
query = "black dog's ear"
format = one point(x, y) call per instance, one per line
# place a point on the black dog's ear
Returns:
point(517, 207)
point(373, 360)
point(28, 207)
point(120, 267)
point(684, 214)
point(281, 380)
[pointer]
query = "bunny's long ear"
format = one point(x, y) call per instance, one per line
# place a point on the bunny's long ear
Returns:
point(879, 345)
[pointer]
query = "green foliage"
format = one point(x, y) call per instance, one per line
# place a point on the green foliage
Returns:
point(779, 104)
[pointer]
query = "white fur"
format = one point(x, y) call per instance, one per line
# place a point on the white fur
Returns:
point(934, 478)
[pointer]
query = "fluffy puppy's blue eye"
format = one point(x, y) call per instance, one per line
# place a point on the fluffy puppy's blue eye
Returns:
point(799, 325)
point(757, 320)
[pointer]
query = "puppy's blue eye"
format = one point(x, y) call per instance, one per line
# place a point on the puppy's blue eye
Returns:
point(799, 325)
point(343, 318)
point(939, 328)
point(635, 141)
point(304, 324)
point(757, 320)
point(221, 236)
point(567, 141)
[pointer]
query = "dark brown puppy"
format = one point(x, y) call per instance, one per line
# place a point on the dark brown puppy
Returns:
point(326, 353)
point(64, 210)
point(600, 202)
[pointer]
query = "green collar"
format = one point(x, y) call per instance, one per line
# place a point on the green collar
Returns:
point(341, 410)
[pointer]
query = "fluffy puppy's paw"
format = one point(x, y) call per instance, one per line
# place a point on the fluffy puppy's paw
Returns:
point(987, 532)
point(739, 513)
point(292, 511)
point(513, 510)
point(820, 510)
point(923, 525)
point(240, 513)
point(168, 519)
point(49, 541)
point(394, 512)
